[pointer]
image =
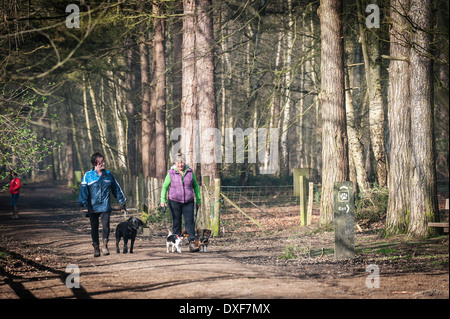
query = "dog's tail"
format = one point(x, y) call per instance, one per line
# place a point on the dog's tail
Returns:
point(170, 232)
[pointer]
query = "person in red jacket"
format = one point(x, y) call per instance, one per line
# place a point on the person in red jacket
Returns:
point(14, 189)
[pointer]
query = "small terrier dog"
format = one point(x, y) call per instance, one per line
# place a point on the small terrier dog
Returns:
point(204, 239)
point(173, 240)
point(201, 240)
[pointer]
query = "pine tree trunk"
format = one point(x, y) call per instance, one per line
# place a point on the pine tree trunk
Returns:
point(423, 196)
point(370, 44)
point(86, 115)
point(189, 94)
point(98, 118)
point(399, 121)
point(334, 135)
point(129, 82)
point(287, 95)
point(145, 85)
point(355, 146)
point(377, 110)
point(70, 159)
point(160, 96)
point(117, 103)
point(207, 112)
point(74, 132)
point(177, 43)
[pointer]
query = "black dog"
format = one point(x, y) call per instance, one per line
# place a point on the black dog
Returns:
point(127, 230)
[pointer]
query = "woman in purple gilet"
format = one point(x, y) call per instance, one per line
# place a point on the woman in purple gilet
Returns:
point(182, 187)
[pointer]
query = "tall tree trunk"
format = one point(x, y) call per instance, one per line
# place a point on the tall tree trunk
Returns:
point(159, 91)
point(86, 115)
point(424, 207)
point(287, 94)
point(275, 101)
point(98, 118)
point(70, 159)
point(225, 65)
point(189, 86)
point(207, 110)
point(118, 112)
point(399, 120)
point(315, 135)
point(68, 97)
point(355, 146)
point(133, 167)
point(145, 84)
point(177, 92)
point(334, 135)
point(354, 129)
point(370, 44)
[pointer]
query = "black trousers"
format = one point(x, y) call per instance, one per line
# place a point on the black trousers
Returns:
point(185, 210)
point(94, 219)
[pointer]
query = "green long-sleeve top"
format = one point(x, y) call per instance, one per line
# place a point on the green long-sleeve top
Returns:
point(167, 181)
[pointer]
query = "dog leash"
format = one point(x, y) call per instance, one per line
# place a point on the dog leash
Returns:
point(125, 211)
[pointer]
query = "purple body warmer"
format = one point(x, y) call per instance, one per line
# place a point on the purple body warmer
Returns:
point(181, 190)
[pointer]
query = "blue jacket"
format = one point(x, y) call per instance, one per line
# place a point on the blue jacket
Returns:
point(95, 191)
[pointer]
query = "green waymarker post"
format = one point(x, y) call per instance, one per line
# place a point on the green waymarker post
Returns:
point(344, 220)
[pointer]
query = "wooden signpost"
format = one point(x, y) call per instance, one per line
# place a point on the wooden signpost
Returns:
point(344, 220)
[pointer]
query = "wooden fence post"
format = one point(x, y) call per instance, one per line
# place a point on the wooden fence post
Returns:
point(149, 194)
point(310, 202)
point(215, 222)
point(205, 216)
point(141, 192)
point(136, 194)
point(302, 189)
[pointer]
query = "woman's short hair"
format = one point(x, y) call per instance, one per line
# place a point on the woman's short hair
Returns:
point(95, 157)
point(179, 158)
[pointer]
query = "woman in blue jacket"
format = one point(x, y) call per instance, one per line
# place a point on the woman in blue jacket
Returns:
point(95, 191)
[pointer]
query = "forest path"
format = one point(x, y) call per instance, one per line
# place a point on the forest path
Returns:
point(52, 233)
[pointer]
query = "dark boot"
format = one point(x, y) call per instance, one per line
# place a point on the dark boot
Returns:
point(96, 250)
point(15, 213)
point(105, 250)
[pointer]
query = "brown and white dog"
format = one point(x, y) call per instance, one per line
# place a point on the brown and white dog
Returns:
point(201, 241)
point(204, 239)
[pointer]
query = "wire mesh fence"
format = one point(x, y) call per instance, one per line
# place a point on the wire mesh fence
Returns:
point(261, 196)
point(262, 208)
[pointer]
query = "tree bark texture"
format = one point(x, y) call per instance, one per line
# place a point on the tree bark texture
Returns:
point(160, 96)
point(145, 86)
point(189, 86)
point(129, 82)
point(334, 135)
point(399, 117)
point(354, 142)
point(423, 196)
point(207, 110)
point(370, 44)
